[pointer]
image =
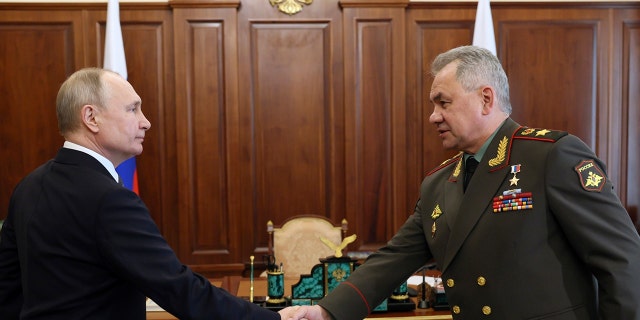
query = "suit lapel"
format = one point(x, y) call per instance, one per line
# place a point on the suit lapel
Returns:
point(489, 176)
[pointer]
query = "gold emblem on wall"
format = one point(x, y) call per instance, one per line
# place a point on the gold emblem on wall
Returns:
point(290, 7)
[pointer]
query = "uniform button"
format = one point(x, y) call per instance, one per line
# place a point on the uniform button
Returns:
point(450, 283)
point(482, 281)
point(455, 309)
point(486, 310)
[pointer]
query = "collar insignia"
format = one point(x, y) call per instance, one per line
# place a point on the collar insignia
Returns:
point(456, 171)
point(501, 154)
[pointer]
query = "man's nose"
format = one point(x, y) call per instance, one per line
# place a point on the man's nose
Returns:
point(435, 117)
point(146, 125)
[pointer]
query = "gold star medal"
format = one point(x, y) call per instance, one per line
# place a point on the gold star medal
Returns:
point(514, 170)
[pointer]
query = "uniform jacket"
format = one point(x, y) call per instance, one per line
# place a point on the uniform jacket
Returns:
point(77, 245)
point(547, 254)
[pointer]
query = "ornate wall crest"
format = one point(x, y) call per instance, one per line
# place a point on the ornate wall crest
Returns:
point(290, 7)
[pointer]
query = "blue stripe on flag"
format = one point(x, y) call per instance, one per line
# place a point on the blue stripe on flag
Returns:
point(127, 171)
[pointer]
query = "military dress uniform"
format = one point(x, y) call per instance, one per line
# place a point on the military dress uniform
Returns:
point(538, 221)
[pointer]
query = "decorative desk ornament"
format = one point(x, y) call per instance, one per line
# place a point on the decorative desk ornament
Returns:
point(338, 248)
point(401, 293)
point(325, 276)
point(251, 280)
point(399, 300)
point(275, 287)
point(423, 303)
point(433, 295)
point(275, 282)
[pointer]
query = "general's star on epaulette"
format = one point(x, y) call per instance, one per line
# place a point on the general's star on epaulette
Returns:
point(542, 132)
point(537, 134)
point(592, 178)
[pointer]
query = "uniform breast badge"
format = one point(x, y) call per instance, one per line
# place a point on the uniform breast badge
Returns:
point(513, 200)
point(591, 176)
point(435, 214)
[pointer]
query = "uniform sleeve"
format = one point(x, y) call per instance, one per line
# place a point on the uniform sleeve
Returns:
point(582, 199)
point(134, 248)
point(380, 274)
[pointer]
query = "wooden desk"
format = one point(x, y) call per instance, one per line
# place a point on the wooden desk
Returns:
point(241, 287)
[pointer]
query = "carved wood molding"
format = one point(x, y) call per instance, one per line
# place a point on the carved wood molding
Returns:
point(204, 3)
point(373, 3)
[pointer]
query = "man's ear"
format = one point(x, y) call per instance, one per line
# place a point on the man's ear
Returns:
point(89, 115)
point(488, 99)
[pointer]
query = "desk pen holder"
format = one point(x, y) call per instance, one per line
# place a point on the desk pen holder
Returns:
point(401, 293)
point(275, 287)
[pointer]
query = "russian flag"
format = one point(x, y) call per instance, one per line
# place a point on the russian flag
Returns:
point(483, 35)
point(114, 60)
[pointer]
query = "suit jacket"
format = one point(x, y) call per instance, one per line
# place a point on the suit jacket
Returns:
point(568, 251)
point(77, 245)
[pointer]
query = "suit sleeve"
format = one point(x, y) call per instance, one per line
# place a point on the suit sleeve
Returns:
point(381, 273)
point(582, 199)
point(134, 248)
point(10, 285)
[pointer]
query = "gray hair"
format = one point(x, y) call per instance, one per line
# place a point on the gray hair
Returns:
point(83, 87)
point(476, 67)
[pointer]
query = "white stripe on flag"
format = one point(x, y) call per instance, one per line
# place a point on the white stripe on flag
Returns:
point(483, 32)
point(113, 46)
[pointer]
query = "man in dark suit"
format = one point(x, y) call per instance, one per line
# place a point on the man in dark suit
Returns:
point(78, 245)
point(538, 233)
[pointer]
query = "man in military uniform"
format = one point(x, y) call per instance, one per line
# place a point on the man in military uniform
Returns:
point(538, 233)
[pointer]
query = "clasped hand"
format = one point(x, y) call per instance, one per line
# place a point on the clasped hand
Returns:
point(304, 313)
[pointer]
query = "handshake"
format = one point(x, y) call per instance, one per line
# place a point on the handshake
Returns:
point(315, 312)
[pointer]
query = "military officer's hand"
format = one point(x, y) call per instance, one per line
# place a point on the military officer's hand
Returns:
point(304, 313)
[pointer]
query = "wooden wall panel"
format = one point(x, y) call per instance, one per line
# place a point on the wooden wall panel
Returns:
point(568, 54)
point(629, 77)
point(39, 50)
point(291, 158)
point(375, 118)
point(210, 232)
point(290, 118)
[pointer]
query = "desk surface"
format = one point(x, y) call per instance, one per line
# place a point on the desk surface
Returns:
point(241, 287)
